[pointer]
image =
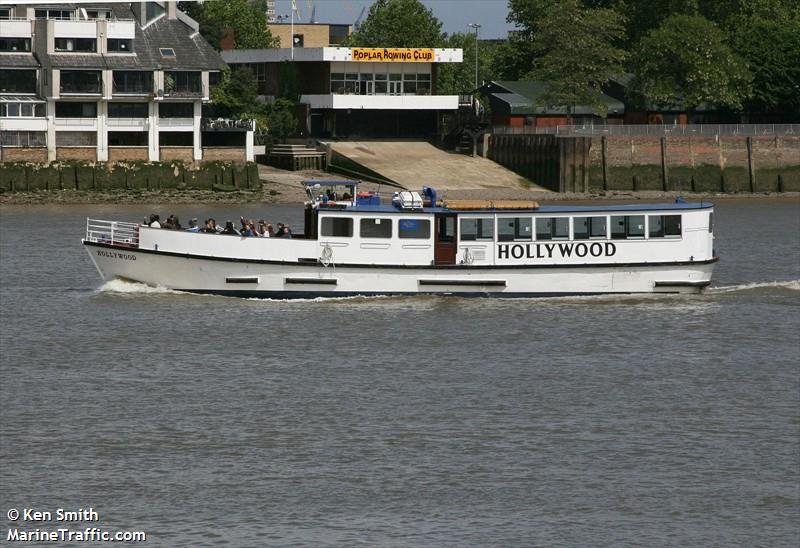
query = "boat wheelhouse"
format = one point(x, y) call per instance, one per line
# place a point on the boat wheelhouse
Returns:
point(353, 244)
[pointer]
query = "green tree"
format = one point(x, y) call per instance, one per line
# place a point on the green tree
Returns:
point(398, 24)
point(456, 78)
point(236, 97)
point(686, 61)
point(576, 52)
point(247, 20)
point(771, 48)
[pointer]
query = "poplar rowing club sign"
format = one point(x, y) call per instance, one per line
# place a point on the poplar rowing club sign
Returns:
point(393, 55)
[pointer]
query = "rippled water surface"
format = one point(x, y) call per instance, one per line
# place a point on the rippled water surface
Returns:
point(206, 421)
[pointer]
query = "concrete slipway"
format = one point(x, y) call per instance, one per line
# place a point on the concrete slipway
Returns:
point(412, 164)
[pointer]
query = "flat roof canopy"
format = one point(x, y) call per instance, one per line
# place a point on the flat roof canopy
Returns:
point(305, 55)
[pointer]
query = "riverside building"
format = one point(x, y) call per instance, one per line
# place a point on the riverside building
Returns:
point(110, 82)
point(356, 92)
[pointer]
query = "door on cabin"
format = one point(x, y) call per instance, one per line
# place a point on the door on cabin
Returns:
point(444, 251)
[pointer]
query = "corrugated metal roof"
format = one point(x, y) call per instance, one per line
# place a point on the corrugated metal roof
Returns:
point(525, 97)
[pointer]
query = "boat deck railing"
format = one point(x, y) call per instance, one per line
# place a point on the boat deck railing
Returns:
point(112, 232)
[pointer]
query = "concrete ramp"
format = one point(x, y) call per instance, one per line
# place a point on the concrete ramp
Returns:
point(412, 164)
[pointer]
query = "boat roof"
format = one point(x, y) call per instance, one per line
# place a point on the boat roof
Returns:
point(329, 182)
point(387, 208)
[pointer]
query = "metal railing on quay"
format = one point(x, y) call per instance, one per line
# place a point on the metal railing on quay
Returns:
point(653, 130)
point(112, 232)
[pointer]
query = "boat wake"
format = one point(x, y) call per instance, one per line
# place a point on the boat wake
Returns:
point(129, 287)
point(792, 285)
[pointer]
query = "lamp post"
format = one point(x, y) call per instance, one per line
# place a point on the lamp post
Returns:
point(477, 28)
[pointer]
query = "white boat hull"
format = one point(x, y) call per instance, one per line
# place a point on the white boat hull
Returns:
point(274, 279)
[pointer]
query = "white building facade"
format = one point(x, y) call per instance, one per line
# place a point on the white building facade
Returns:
point(388, 92)
point(110, 82)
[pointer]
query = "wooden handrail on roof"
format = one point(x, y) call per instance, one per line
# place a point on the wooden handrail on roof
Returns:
point(466, 205)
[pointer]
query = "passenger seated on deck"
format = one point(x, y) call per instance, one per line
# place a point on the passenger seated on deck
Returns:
point(210, 227)
point(280, 231)
point(248, 231)
point(154, 221)
point(287, 232)
point(346, 197)
point(229, 229)
point(172, 223)
point(193, 227)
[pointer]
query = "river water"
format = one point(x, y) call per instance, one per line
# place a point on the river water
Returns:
point(208, 421)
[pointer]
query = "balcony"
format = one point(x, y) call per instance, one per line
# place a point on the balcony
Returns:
point(81, 82)
point(75, 29)
point(182, 84)
point(18, 81)
point(15, 29)
point(133, 83)
point(388, 102)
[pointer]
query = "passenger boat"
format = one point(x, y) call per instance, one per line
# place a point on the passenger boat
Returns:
point(417, 244)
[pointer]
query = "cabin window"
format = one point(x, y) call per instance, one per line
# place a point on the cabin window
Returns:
point(514, 228)
point(477, 229)
point(585, 228)
point(340, 227)
point(711, 222)
point(664, 226)
point(417, 229)
point(552, 228)
point(627, 227)
point(376, 228)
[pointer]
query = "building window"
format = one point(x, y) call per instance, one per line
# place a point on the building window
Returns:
point(181, 82)
point(153, 10)
point(345, 83)
point(166, 52)
point(76, 110)
point(477, 229)
point(17, 81)
point(585, 228)
point(76, 138)
point(55, 14)
point(664, 226)
point(23, 110)
point(416, 229)
point(5, 13)
point(120, 45)
point(552, 228)
point(80, 81)
point(133, 81)
point(176, 110)
point(127, 138)
point(297, 40)
point(627, 227)
point(127, 110)
point(176, 139)
point(23, 138)
point(376, 228)
point(82, 45)
point(514, 228)
point(339, 227)
point(15, 44)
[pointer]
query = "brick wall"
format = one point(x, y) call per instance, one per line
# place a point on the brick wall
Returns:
point(226, 154)
point(121, 154)
point(184, 154)
point(88, 154)
point(24, 154)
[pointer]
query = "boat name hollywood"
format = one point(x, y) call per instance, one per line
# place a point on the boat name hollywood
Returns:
point(549, 251)
point(115, 255)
